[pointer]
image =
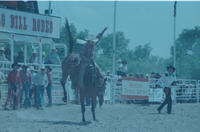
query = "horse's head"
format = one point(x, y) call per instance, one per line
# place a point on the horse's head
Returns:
point(89, 48)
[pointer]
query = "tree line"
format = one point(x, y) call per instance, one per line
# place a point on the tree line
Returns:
point(140, 59)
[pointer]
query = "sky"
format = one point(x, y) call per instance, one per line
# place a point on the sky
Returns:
point(141, 22)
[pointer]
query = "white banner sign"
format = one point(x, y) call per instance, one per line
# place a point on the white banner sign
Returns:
point(156, 95)
point(18, 22)
point(135, 89)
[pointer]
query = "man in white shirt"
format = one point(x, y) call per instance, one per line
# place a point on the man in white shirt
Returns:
point(42, 82)
point(168, 81)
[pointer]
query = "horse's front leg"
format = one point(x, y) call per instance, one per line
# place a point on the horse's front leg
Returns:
point(93, 108)
point(63, 82)
point(82, 107)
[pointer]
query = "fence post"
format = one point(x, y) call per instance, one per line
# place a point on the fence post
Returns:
point(198, 94)
point(113, 89)
point(174, 90)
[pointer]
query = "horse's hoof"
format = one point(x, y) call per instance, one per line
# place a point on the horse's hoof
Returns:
point(83, 120)
point(64, 99)
point(96, 120)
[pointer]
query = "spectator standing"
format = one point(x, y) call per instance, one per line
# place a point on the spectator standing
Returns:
point(33, 73)
point(2, 55)
point(34, 57)
point(14, 85)
point(26, 86)
point(20, 57)
point(2, 79)
point(42, 82)
point(49, 86)
point(124, 68)
point(53, 57)
point(119, 67)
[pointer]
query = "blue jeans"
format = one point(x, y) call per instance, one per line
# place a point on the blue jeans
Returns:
point(26, 89)
point(33, 94)
point(39, 96)
point(49, 93)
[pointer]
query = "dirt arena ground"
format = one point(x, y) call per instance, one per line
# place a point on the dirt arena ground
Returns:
point(111, 118)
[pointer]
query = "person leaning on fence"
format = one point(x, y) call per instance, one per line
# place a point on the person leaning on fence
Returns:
point(26, 86)
point(49, 86)
point(169, 81)
point(2, 79)
point(53, 57)
point(14, 86)
point(42, 82)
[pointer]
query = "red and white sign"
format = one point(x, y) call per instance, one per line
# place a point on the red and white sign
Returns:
point(133, 88)
point(18, 22)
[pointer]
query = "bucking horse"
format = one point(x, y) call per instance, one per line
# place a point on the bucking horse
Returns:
point(84, 73)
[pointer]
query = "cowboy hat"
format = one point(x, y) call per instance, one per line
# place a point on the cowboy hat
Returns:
point(34, 51)
point(43, 53)
point(24, 66)
point(42, 67)
point(31, 68)
point(171, 67)
point(49, 68)
point(119, 60)
point(2, 49)
point(53, 47)
point(80, 41)
point(15, 64)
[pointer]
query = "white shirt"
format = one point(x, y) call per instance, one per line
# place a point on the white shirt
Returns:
point(41, 79)
point(167, 80)
point(34, 78)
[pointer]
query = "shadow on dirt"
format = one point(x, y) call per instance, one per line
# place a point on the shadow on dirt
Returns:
point(66, 123)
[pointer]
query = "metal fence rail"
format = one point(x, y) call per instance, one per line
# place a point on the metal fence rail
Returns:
point(186, 91)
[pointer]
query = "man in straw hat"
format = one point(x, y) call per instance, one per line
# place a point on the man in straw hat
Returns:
point(169, 80)
point(14, 86)
point(34, 57)
point(53, 57)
